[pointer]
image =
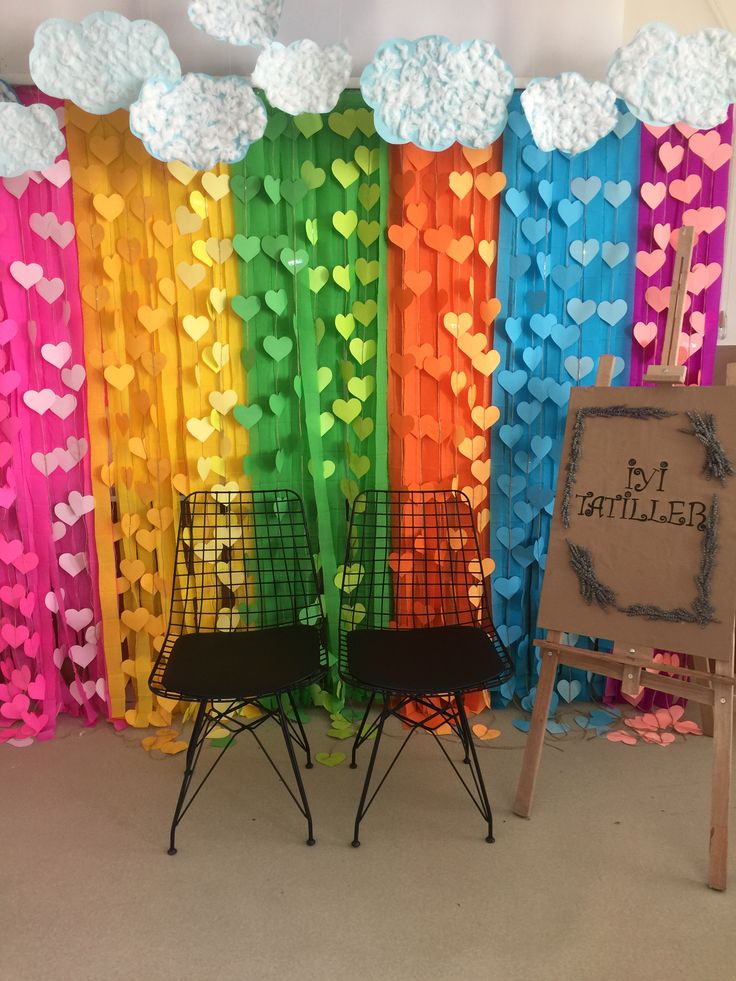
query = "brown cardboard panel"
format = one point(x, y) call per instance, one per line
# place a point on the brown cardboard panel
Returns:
point(651, 561)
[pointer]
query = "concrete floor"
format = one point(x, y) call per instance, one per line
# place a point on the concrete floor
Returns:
point(606, 881)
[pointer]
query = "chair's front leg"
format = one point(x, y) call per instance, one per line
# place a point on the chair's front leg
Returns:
point(189, 766)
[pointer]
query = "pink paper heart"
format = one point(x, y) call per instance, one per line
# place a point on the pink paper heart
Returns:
point(58, 657)
point(10, 549)
point(36, 723)
point(9, 381)
point(650, 262)
point(12, 595)
point(58, 530)
point(58, 174)
point(26, 275)
point(6, 453)
point(45, 463)
point(8, 330)
point(7, 497)
point(50, 289)
point(32, 645)
point(77, 447)
point(16, 185)
point(74, 377)
point(704, 219)
point(661, 234)
point(659, 738)
point(670, 156)
point(37, 688)
point(685, 190)
point(656, 131)
point(39, 401)
point(675, 237)
point(688, 727)
point(73, 564)
point(82, 693)
point(57, 354)
point(27, 604)
point(14, 636)
point(688, 345)
point(721, 155)
point(75, 507)
point(78, 619)
point(653, 194)
point(83, 656)
point(686, 130)
point(619, 736)
point(703, 144)
point(15, 709)
point(26, 563)
point(659, 299)
point(64, 405)
point(702, 276)
point(644, 334)
point(697, 321)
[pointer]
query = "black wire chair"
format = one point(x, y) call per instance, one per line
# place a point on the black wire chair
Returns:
point(416, 624)
point(246, 626)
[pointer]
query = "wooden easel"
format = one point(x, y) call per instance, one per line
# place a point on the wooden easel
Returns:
point(710, 683)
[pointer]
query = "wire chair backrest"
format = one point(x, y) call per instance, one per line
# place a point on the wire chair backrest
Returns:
point(413, 560)
point(243, 562)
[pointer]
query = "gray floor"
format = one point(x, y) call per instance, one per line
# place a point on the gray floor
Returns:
point(606, 881)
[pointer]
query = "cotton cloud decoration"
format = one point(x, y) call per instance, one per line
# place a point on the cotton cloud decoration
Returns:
point(568, 113)
point(237, 21)
point(665, 78)
point(100, 63)
point(31, 138)
point(197, 119)
point(302, 77)
point(433, 93)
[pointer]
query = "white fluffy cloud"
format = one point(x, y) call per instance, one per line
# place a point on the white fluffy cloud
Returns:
point(665, 78)
point(30, 138)
point(302, 77)
point(7, 92)
point(197, 119)
point(101, 63)
point(237, 21)
point(433, 93)
point(567, 113)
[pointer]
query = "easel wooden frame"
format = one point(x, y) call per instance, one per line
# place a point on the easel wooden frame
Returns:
point(710, 683)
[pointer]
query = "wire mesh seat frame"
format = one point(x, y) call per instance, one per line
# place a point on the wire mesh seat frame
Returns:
point(413, 560)
point(243, 563)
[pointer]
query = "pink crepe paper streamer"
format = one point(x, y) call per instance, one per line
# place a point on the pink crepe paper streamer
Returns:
point(75, 687)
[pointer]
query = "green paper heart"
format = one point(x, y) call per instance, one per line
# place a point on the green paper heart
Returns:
point(330, 759)
point(348, 577)
point(345, 324)
point(298, 386)
point(352, 615)
point(345, 222)
point(293, 261)
point(345, 171)
point(276, 301)
point(341, 275)
point(326, 422)
point(368, 231)
point(328, 468)
point(318, 278)
point(365, 312)
point(293, 191)
point(272, 187)
point(361, 350)
point(367, 160)
point(310, 615)
point(273, 244)
point(319, 329)
point(347, 411)
point(246, 307)
point(335, 733)
point(276, 124)
point(364, 122)
point(363, 428)
point(360, 465)
point(277, 348)
point(247, 247)
point(369, 195)
point(277, 403)
point(312, 176)
point(347, 370)
point(362, 388)
point(308, 123)
point(343, 123)
point(245, 188)
point(367, 271)
point(247, 415)
point(310, 226)
point(349, 489)
point(324, 377)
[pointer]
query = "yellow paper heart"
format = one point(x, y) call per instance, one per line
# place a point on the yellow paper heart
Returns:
point(217, 356)
point(198, 203)
point(119, 377)
point(199, 251)
point(458, 380)
point(181, 172)
point(461, 184)
point(457, 323)
point(223, 402)
point(216, 185)
point(487, 251)
point(201, 429)
point(218, 298)
point(196, 327)
point(484, 418)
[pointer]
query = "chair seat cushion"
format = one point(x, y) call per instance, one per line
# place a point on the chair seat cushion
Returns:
point(239, 664)
point(424, 660)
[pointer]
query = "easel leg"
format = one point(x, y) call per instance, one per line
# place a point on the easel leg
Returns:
point(706, 711)
point(721, 780)
point(535, 736)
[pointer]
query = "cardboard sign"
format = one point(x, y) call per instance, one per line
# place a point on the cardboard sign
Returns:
point(643, 543)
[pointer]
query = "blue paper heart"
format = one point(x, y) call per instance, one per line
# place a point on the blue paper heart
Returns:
point(511, 486)
point(518, 124)
point(536, 300)
point(625, 124)
point(616, 193)
point(528, 411)
point(618, 366)
point(584, 252)
point(565, 336)
point(511, 381)
point(532, 356)
point(507, 587)
point(525, 462)
point(518, 265)
point(509, 636)
point(544, 264)
point(585, 190)
point(538, 548)
point(541, 445)
point(506, 691)
point(566, 276)
point(538, 387)
point(523, 725)
point(534, 158)
point(523, 555)
point(558, 392)
point(578, 368)
point(524, 512)
point(542, 325)
point(534, 229)
point(517, 201)
point(614, 252)
point(546, 192)
point(569, 211)
point(611, 313)
point(540, 497)
point(512, 326)
point(510, 435)
point(527, 703)
point(510, 537)
point(580, 310)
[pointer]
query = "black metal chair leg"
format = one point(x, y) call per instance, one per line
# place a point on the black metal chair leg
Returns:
point(366, 784)
point(284, 723)
point(301, 730)
point(188, 772)
point(475, 766)
point(460, 730)
point(361, 728)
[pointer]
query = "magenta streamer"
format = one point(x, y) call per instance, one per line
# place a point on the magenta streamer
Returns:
point(51, 654)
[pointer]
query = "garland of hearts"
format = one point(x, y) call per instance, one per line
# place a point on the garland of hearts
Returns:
point(163, 358)
point(567, 227)
point(50, 656)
